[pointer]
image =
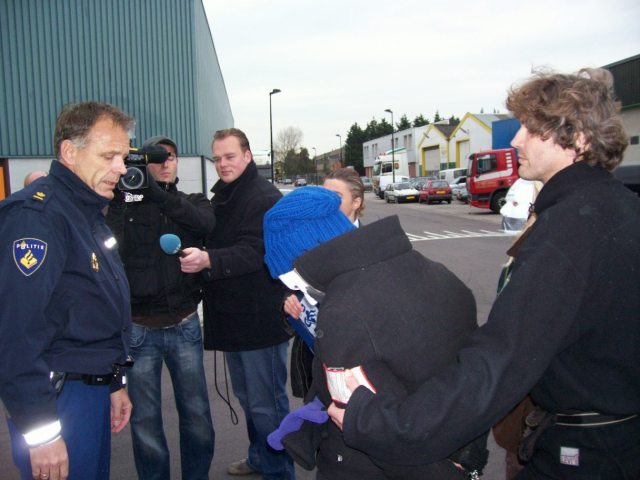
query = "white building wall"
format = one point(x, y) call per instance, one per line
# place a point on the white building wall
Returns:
point(431, 138)
point(407, 138)
point(19, 168)
point(473, 131)
point(373, 148)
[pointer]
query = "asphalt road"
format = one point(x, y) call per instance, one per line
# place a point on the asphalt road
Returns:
point(468, 241)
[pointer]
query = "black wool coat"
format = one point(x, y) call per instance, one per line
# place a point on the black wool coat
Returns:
point(241, 300)
point(384, 303)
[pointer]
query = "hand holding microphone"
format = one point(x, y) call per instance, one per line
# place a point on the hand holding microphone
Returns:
point(192, 260)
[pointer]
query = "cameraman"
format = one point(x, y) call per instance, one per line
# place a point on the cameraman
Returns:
point(166, 326)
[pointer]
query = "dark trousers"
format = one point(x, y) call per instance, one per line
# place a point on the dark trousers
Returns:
point(610, 452)
point(84, 413)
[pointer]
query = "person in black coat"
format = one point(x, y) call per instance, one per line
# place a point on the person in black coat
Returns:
point(166, 326)
point(380, 300)
point(242, 314)
point(565, 326)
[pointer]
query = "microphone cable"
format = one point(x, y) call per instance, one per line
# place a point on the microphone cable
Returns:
point(232, 413)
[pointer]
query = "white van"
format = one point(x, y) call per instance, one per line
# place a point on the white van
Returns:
point(452, 173)
point(388, 180)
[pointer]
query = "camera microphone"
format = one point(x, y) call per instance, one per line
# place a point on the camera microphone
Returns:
point(170, 244)
point(150, 154)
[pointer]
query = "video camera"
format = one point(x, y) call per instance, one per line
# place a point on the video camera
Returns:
point(136, 162)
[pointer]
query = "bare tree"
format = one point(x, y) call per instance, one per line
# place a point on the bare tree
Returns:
point(288, 139)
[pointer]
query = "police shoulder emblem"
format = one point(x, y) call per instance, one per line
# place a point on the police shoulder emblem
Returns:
point(29, 254)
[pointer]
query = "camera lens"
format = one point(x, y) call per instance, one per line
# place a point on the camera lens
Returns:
point(133, 179)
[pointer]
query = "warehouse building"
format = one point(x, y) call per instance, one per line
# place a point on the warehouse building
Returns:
point(154, 59)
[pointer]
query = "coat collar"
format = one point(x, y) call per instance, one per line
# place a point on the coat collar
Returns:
point(223, 192)
point(357, 249)
point(566, 182)
point(86, 199)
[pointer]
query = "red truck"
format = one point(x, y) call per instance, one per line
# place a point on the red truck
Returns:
point(490, 175)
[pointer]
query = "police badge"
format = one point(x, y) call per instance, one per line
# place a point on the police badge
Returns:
point(29, 254)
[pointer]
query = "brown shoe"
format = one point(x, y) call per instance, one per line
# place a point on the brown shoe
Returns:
point(241, 467)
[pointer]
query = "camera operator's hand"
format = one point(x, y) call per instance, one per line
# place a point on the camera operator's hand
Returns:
point(154, 192)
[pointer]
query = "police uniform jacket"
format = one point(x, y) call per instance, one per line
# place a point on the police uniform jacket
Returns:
point(160, 292)
point(65, 296)
point(241, 300)
point(565, 328)
point(384, 302)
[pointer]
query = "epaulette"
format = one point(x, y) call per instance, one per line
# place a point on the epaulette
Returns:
point(39, 197)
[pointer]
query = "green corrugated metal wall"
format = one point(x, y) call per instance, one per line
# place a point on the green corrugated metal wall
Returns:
point(625, 79)
point(146, 56)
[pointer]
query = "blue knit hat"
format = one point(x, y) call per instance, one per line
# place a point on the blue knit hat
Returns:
point(300, 221)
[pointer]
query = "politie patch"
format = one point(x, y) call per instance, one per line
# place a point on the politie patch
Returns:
point(29, 254)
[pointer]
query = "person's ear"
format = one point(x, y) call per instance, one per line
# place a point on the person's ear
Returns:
point(68, 153)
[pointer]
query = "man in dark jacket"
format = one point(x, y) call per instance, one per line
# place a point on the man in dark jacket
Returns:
point(564, 328)
point(166, 326)
point(380, 300)
point(242, 314)
point(65, 318)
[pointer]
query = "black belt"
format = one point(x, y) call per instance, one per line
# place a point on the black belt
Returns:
point(103, 379)
point(591, 419)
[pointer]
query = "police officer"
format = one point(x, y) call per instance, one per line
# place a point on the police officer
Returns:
point(65, 318)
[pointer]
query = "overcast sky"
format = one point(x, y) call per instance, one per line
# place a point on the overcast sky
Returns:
point(340, 62)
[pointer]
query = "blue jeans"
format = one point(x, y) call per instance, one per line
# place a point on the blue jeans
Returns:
point(180, 347)
point(259, 378)
point(84, 412)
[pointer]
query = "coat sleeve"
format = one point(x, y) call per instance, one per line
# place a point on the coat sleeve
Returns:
point(246, 255)
point(496, 368)
point(25, 333)
point(193, 212)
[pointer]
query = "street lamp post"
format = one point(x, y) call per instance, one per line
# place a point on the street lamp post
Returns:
point(340, 137)
point(393, 148)
point(315, 163)
point(272, 92)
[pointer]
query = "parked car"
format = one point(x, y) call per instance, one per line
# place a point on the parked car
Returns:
point(301, 182)
point(435, 191)
point(461, 194)
point(287, 181)
point(418, 182)
point(385, 180)
point(400, 192)
point(458, 184)
point(368, 186)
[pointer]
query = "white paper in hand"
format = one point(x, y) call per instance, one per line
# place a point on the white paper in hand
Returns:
point(337, 382)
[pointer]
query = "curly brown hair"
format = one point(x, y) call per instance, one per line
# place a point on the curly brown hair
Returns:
point(568, 107)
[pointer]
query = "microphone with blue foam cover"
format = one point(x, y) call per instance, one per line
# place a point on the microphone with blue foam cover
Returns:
point(170, 244)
